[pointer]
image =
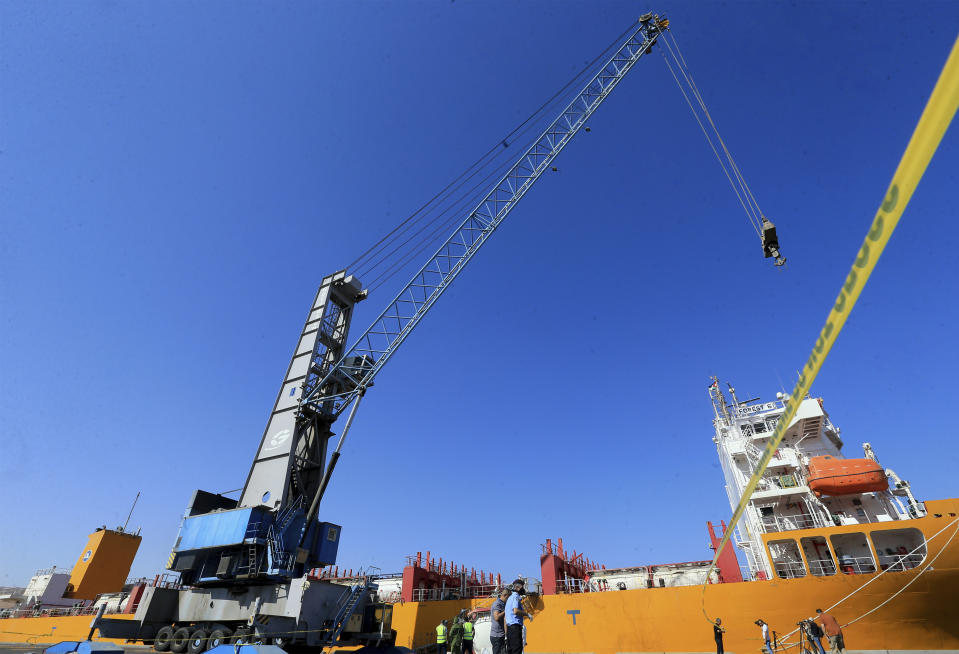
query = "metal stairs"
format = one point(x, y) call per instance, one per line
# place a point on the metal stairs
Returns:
point(346, 611)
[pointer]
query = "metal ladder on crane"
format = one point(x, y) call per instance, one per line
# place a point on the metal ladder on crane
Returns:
point(346, 611)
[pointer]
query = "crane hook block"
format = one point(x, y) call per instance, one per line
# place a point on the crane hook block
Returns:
point(771, 242)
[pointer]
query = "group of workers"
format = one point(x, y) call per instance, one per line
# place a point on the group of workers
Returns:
point(455, 639)
point(811, 630)
point(507, 631)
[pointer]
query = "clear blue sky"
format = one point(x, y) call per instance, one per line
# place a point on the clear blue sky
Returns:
point(177, 178)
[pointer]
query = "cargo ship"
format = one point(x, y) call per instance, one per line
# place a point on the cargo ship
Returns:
point(821, 531)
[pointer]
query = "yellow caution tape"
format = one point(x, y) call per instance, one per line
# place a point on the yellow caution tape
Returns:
point(925, 139)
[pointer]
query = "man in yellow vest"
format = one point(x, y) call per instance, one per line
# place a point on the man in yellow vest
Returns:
point(468, 636)
point(441, 638)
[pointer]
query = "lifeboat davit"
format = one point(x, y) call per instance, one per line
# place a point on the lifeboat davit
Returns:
point(831, 476)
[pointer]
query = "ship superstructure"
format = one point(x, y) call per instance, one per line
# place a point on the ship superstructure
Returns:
point(807, 484)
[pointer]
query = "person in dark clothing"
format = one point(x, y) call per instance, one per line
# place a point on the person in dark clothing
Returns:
point(718, 632)
point(814, 635)
point(515, 613)
point(456, 637)
point(497, 627)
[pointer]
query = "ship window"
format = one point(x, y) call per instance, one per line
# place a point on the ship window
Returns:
point(818, 557)
point(747, 430)
point(853, 553)
point(899, 549)
point(786, 559)
point(759, 427)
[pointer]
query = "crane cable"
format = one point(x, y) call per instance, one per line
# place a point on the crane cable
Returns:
point(500, 145)
point(743, 193)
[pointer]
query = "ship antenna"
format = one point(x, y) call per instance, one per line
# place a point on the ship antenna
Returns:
point(732, 392)
point(131, 511)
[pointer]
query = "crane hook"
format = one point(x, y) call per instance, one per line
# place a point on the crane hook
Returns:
point(771, 242)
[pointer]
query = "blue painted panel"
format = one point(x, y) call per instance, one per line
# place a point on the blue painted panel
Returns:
point(96, 647)
point(63, 647)
point(218, 529)
point(329, 543)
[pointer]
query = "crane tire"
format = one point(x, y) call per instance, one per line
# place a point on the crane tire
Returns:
point(240, 637)
point(163, 639)
point(181, 640)
point(198, 641)
point(218, 637)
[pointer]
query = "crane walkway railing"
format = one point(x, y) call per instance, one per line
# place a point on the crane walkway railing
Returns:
point(346, 610)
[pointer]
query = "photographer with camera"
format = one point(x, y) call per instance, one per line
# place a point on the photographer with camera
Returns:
point(813, 633)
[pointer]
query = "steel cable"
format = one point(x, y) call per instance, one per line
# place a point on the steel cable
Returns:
point(502, 145)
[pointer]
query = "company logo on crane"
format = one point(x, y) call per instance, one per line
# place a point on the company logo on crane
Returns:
point(278, 439)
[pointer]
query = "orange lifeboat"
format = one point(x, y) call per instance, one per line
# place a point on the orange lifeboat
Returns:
point(831, 476)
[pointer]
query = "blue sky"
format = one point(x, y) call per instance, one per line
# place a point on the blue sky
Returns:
point(177, 178)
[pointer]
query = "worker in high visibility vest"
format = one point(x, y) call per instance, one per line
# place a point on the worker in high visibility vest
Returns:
point(441, 638)
point(468, 636)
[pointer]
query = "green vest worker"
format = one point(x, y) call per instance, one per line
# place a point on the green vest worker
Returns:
point(468, 637)
point(441, 638)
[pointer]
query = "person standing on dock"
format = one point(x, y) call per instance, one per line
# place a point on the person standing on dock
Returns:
point(718, 632)
point(814, 635)
point(497, 628)
point(441, 638)
point(833, 632)
point(514, 619)
point(456, 636)
point(766, 644)
point(467, 636)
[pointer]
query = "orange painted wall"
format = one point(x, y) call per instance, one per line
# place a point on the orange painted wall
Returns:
point(106, 568)
point(50, 629)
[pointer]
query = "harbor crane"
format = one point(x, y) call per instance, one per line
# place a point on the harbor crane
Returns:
point(244, 563)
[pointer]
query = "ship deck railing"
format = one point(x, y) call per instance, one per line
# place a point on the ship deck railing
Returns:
point(51, 612)
point(431, 594)
point(857, 565)
point(822, 567)
point(900, 562)
point(789, 569)
point(775, 523)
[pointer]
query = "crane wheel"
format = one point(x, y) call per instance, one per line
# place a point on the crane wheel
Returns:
point(240, 637)
point(181, 640)
point(218, 637)
point(163, 639)
point(198, 641)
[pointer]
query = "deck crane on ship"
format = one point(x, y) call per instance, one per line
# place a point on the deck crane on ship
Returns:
point(243, 563)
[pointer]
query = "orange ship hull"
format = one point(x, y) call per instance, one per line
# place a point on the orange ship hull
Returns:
point(925, 616)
